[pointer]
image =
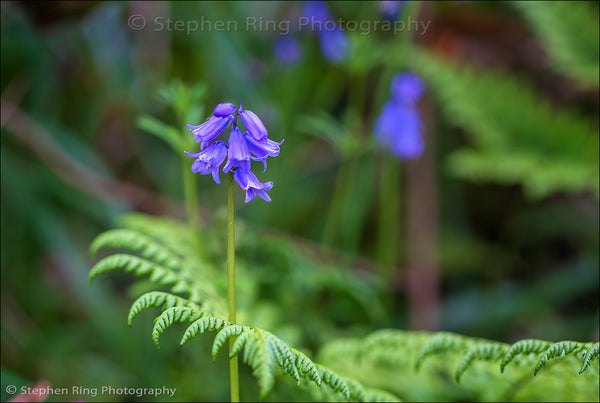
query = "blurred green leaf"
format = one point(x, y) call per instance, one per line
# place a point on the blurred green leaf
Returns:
point(161, 130)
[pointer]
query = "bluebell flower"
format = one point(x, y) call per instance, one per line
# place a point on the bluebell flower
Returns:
point(209, 130)
point(390, 10)
point(240, 150)
point(262, 149)
point(210, 159)
point(238, 154)
point(398, 128)
point(407, 88)
point(316, 11)
point(334, 45)
point(249, 182)
point(287, 50)
point(225, 109)
point(253, 124)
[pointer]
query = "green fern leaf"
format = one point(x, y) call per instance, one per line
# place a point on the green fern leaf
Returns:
point(238, 344)
point(200, 326)
point(224, 335)
point(377, 395)
point(569, 32)
point(307, 367)
point(334, 381)
point(517, 136)
point(357, 391)
point(156, 299)
point(527, 346)
point(262, 361)
point(135, 264)
point(442, 342)
point(139, 243)
point(559, 349)
point(284, 356)
point(172, 315)
point(485, 352)
point(173, 234)
point(590, 354)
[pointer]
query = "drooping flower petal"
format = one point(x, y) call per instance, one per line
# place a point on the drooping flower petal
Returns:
point(209, 160)
point(209, 130)
point(250, 183)
point(225, 109)
point(238, 155)
point(262, 149)
point(253, 124)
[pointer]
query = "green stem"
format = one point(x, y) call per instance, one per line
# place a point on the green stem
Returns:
point(233, 362)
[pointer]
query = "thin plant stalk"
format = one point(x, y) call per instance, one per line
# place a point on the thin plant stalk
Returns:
point(233, 362)
point(342, 193)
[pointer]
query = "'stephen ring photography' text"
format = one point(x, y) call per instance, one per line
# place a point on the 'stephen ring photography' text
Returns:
point(138, 22)
point(84, 391)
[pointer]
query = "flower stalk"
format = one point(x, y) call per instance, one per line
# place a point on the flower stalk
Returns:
point(233, 362)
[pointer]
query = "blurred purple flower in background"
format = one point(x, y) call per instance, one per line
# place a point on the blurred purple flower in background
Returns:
point(391, 10)
point(287, 50)
point(316, 11)
point(407, 88)
point(334, 45)
point(333, 41)
point(241, 148)
point(398, 127)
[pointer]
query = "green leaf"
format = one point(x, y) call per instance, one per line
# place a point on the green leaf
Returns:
point(167, 133)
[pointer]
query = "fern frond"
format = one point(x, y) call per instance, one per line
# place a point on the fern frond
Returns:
point(533, 144)
point(238, 344)
point(262, 361)
point(225, 334)
point(559, 349)
point(442, 342)
point(139, 243)
point(590, 354)
point(527, 346)
point(135, 264)
point(156, 299)
point(172, 315)
point(569, 33)
point(483, 352)
point(334, 381)
point(171, 233)
point(200, 326)
point(378, 395)
point(306, 367)
point(386, 359)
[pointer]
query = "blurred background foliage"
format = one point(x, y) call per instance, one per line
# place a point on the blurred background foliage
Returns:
point(511, 117)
